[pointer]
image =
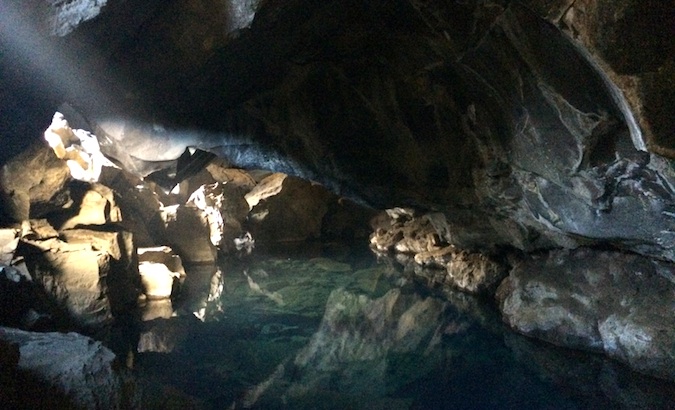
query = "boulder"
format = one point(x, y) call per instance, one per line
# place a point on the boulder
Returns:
point(286, 208)
point(95, 205)
point(87, 276)
point(420, 244)
point(616, 303)
point(67, 370)
point(188, 232)
point(160, 269)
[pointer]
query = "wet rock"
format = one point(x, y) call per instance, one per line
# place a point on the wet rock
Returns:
point(285, 208)
point(160, 270)
point(68, 370)
point(420, 243)
point(611, 302)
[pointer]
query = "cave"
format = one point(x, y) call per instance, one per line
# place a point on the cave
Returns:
point(337, 204)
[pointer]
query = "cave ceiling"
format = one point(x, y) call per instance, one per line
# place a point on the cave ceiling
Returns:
point(529, 123)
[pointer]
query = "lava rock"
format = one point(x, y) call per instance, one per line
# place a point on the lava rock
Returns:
point(68, 370)
point(617, 303)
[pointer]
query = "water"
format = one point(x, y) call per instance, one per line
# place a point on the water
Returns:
point(331, 327)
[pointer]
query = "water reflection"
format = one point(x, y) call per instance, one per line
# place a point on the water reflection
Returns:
point(334, 328)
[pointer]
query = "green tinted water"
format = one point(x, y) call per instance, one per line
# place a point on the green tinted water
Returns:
point(319, 327)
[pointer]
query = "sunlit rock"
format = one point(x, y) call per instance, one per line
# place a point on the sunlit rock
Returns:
point(97, 205)
point(419, 242)
point(78, 148)
point(9, 240)
point(89, 276)
point(33, 184)
point(611, 302)
point(225, 210)
point(77, 372)
point(160, 270)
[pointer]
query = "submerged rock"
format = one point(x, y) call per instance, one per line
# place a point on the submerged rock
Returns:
point(611, 302)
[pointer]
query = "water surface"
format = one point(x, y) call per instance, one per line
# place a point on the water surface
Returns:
point(331, 327)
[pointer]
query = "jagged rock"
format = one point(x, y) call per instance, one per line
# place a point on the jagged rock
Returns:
point(33, 184)
point(226, 210)
point(285, 208)
point(159, 268)
point(78, 148)
point(188, 231)
point(139, 204)
point(88, 275)
point(68, 370)
point(611, 302)
point(470, 272)
point(419, 242)
point(96, 205)
point(403, 233)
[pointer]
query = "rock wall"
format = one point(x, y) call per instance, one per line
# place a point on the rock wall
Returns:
point(530, 125)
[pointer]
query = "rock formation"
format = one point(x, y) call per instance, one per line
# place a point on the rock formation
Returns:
point(533, 127)
point(64, 370)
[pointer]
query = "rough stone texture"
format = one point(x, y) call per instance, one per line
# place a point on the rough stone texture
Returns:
point(632, 42)
point(87, 276)
point(68, 370)
point(33, 184)
point(417, 243)
point(285, 208)
point(188, 232)
point(611, 302)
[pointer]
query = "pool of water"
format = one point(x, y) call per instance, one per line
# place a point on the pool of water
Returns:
point(332, 327)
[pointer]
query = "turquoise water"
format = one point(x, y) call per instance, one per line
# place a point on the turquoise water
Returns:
point(331, 327)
